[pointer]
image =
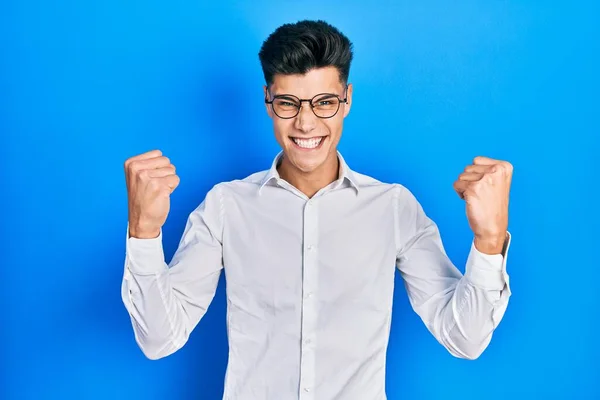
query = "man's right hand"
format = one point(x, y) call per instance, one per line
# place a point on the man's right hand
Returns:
point(150, 179)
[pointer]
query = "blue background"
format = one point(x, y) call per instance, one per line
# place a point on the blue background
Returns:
point(85, 85)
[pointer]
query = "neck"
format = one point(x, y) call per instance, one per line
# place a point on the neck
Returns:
point(310, 183)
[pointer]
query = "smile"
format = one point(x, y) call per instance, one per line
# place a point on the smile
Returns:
point(311, 143)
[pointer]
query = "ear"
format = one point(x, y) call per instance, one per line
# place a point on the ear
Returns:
point(348, 104)
point(267, 106)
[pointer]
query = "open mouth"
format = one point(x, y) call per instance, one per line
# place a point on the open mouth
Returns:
point(308, 144)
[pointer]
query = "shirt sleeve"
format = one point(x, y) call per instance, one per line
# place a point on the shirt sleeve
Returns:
point(461, 311)
point(166, 301)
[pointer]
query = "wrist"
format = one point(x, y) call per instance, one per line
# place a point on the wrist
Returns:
point(144, 233)
point(493, 244)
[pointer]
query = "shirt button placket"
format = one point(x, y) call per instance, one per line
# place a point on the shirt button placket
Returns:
point(309, 288)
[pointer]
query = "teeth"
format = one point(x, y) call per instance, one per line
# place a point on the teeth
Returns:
point(308, 143)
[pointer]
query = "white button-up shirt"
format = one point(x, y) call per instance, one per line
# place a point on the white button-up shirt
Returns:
point(310, 284)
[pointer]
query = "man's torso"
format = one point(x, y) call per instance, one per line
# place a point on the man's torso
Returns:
point(309, 289)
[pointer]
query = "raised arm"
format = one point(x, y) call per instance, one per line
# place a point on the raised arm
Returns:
point(166, 301)
point(461, 312)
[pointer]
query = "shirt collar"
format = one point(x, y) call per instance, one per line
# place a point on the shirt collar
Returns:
point(345, 173)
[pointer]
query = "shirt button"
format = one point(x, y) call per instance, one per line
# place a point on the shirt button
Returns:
point(307, 341)
point(307, 389)
point(308, 295)
point(310, 247)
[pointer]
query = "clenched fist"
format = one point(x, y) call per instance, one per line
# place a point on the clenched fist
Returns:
point(150, 179)
point(485, 187)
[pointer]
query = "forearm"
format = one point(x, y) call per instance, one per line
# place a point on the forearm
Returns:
point(157, 317)
point(466, 324)
point(156, 314)
point(476, 305)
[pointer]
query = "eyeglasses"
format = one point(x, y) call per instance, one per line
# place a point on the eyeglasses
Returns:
point(323, 105)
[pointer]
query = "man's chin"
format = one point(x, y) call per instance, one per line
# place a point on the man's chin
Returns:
point(309, 166)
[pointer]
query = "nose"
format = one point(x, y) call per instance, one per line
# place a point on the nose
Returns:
point(306, 120)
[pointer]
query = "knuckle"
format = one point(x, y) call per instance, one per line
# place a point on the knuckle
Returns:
point(133, 166)
point(154, 184)
point(143, 174)
point(500, 169)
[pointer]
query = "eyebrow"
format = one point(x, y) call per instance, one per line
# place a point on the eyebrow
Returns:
point(328, 95)
point(291, 96)
point(286, 95)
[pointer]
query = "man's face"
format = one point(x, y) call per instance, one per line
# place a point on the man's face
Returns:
point(292, 134)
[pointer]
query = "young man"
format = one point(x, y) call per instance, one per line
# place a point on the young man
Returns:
point(309, 247)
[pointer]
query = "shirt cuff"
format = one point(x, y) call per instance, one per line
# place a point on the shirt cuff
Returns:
point(488, 271)
point(144, 256)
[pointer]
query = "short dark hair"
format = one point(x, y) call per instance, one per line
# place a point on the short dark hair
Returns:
point(299, 47)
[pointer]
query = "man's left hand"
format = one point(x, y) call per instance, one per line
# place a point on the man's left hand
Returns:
point(485, 187)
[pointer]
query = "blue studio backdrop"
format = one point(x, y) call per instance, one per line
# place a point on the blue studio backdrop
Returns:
point(85, 85)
